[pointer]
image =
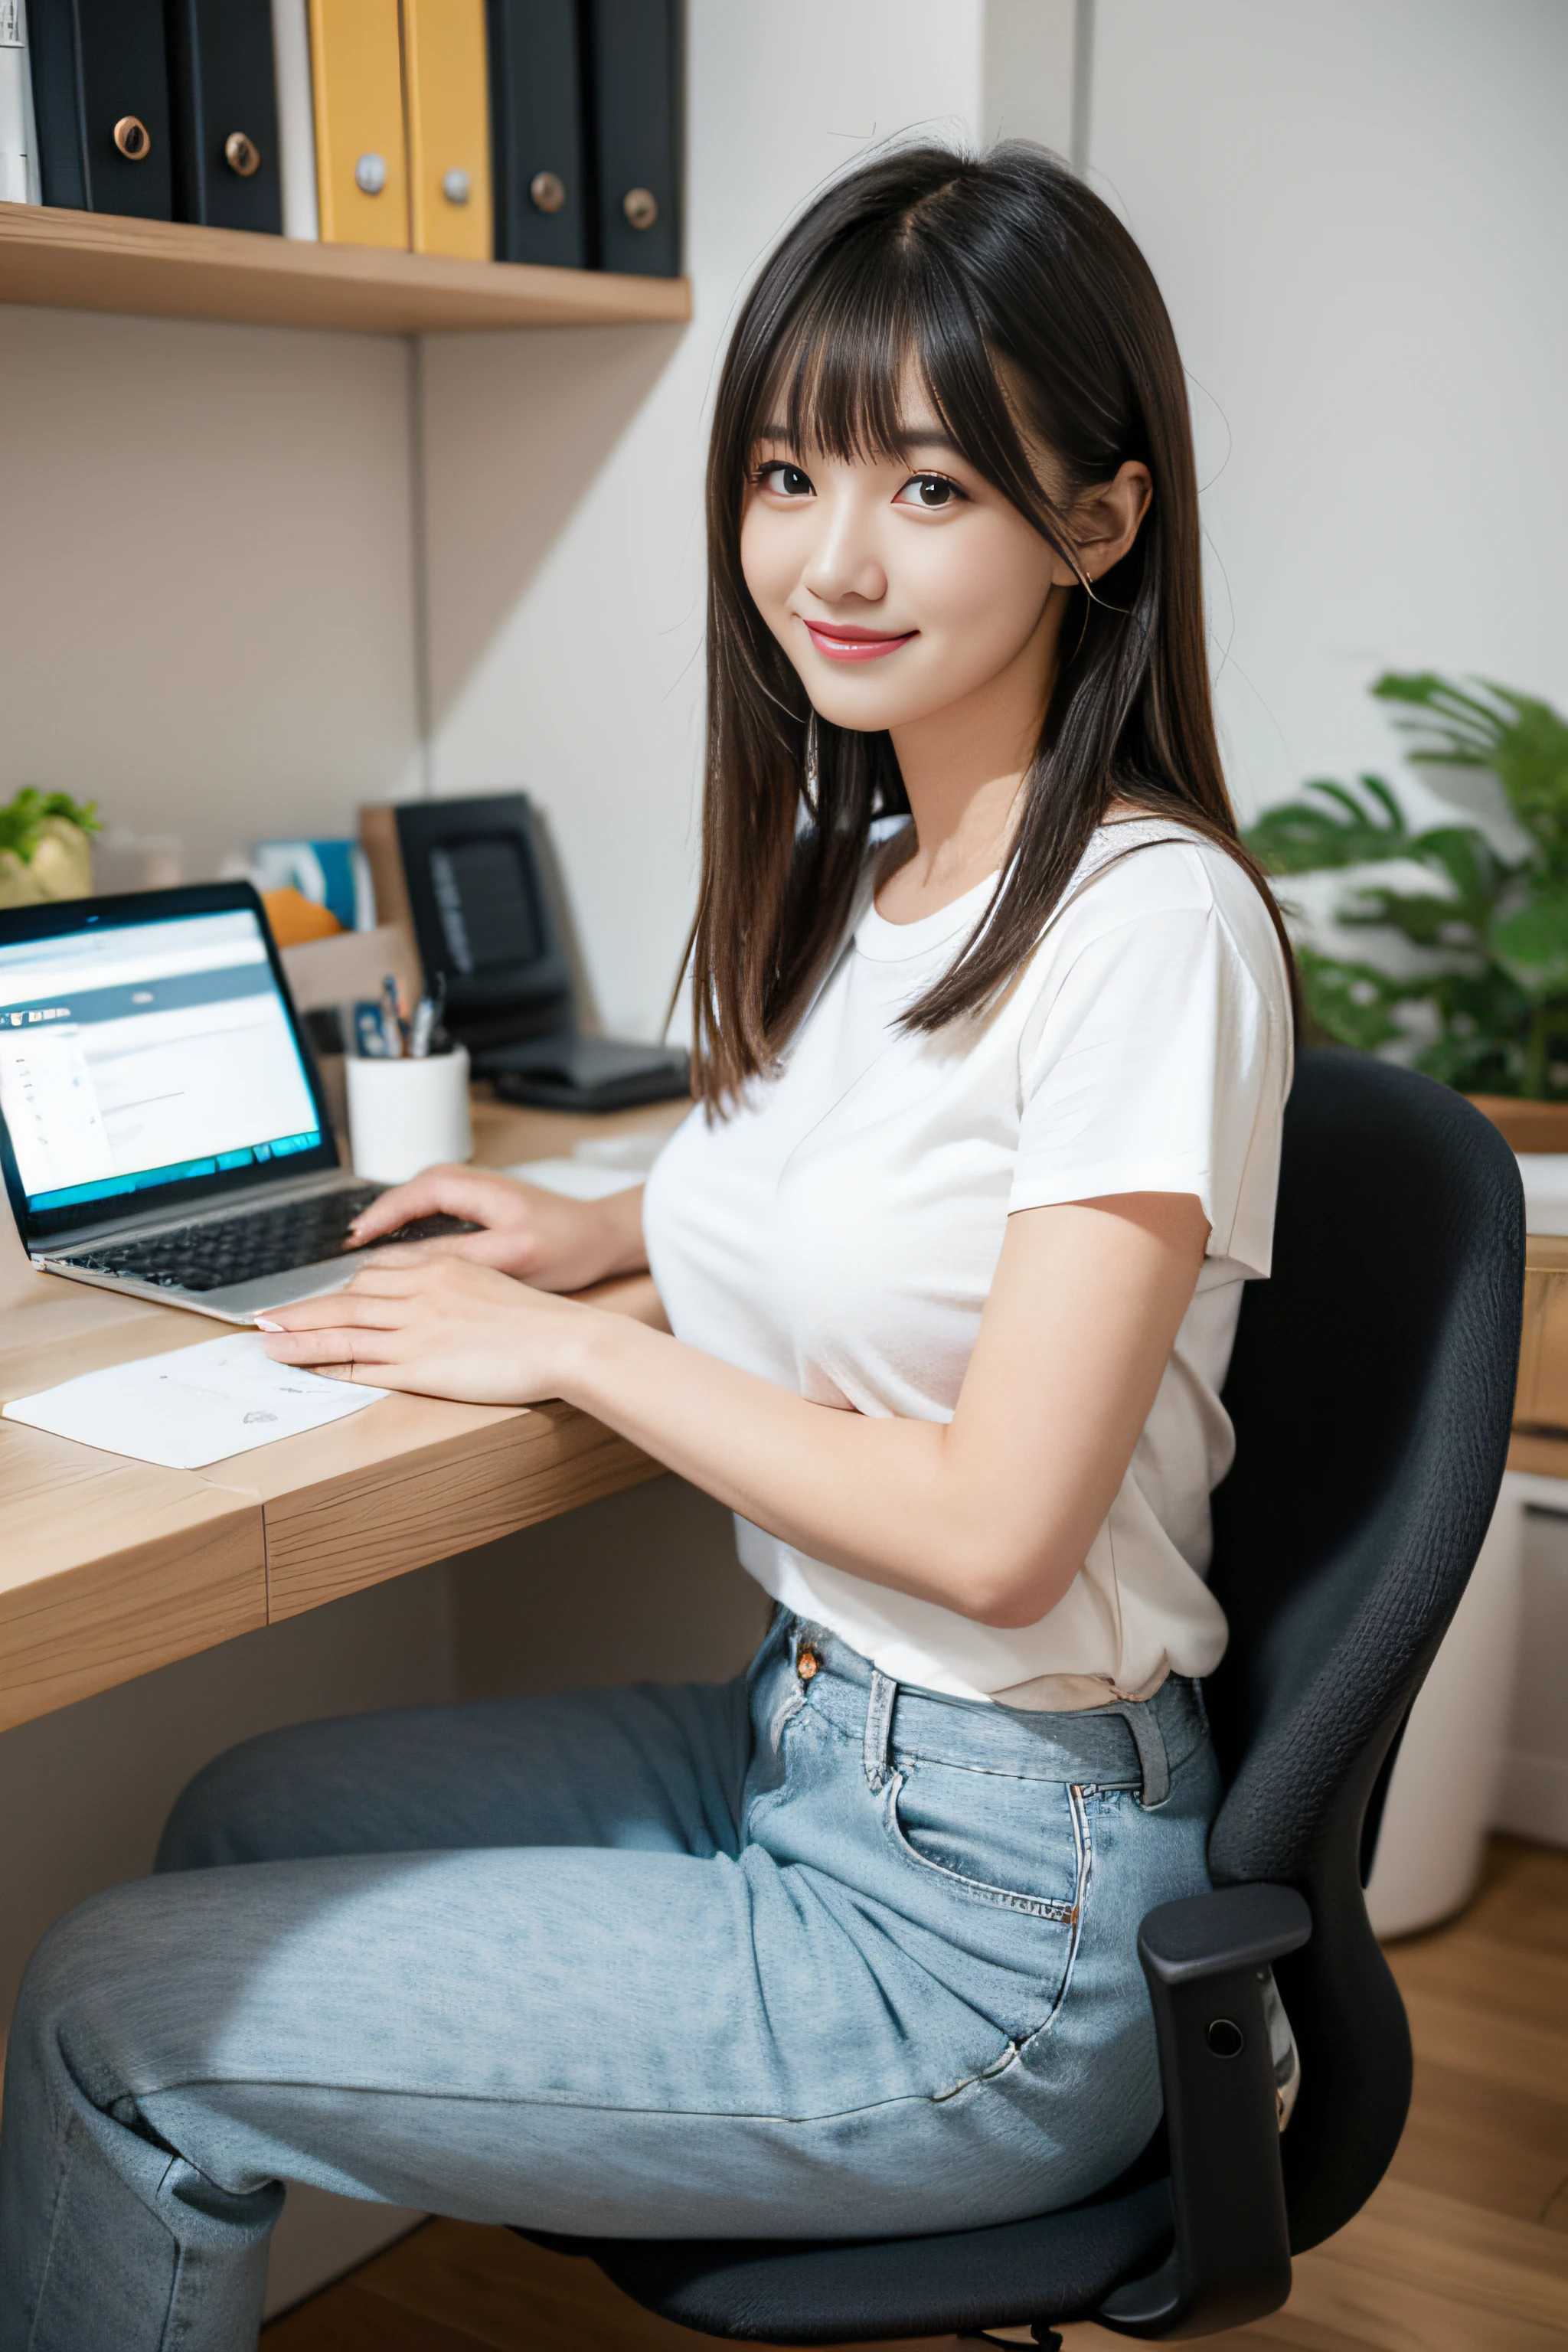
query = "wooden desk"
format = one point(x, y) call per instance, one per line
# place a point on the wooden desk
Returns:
point(108, 1568)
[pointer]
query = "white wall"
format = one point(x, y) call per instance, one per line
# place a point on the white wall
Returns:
point(1026, 82)
point(206, 593)
point(1355, 211)
point(565, 477)
point(206, 597)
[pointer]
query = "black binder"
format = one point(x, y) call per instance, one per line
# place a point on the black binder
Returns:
point(101, 95)
point(543, 198)
point(636, 135)
point(224, 106)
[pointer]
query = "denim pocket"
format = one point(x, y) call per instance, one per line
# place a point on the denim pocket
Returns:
point(1023, 1844)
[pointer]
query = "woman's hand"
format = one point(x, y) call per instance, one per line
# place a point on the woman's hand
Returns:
point(978, 1514)
point(442, 1328)
point(541, 1238)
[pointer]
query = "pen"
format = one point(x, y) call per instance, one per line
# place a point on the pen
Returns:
point(391, 1020)
point(426, 1018)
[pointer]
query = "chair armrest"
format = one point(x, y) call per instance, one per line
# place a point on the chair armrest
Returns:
point(1205, 1960)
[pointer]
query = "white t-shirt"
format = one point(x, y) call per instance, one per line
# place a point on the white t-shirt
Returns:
point(839, 1231)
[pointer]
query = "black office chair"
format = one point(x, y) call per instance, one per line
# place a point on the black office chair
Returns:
point(1371, 1388)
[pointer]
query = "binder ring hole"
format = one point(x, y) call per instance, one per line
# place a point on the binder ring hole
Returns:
point(1226, 2038)
point(133, 138)
point(242, 154)
point(640, 207)
point(547, 191)
point(370, 174)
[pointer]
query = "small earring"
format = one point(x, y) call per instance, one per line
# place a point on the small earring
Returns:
point(811, 765)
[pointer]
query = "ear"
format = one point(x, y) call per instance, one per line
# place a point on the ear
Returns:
point(1107, 522)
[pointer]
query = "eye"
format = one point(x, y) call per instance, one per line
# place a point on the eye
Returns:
point(785, 481)
point(929, 492)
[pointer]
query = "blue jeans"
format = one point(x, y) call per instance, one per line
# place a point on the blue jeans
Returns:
point(804, 1955)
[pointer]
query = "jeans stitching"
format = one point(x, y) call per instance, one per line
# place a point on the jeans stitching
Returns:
point(1083, 1840)
point(1035, 1906)
point(1020, 2049)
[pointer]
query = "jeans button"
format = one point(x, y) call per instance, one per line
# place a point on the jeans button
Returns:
point(806, 1662)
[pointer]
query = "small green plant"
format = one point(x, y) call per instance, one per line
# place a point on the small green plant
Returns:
point(1491, 934)
point(44, 847)
point(23, 819)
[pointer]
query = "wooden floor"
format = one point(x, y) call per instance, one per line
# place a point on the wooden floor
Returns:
point(1463, 2249)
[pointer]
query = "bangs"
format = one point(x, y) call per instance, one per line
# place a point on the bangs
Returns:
point(883, 313)
point(1001, 295)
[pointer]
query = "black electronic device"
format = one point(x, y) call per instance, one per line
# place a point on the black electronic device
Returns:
point(162, 1125)
point(469, 878)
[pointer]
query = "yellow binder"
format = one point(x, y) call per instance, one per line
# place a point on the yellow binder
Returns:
point(356, 79)
point(448, 127)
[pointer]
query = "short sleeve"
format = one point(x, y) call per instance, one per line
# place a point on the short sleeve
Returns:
point(1159, 1063)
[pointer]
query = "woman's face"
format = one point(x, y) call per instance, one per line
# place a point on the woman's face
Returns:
point(898, 587)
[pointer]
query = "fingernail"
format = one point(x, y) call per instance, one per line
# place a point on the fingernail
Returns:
point(263, 1324)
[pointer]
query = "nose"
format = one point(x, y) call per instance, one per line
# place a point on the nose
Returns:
point(844, 559)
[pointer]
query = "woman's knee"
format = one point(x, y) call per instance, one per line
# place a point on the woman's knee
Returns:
point(76, 1978)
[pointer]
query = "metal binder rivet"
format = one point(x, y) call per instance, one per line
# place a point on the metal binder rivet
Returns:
point(547, 191)
point(370, 174)
point(133, 138)
point(455, 187)
point(242, 154)
point(640, 207)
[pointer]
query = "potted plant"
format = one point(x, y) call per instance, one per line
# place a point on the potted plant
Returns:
point(45, 847)
point(1489, 933)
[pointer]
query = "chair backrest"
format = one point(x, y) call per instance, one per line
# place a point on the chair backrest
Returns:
point(1372, 1389)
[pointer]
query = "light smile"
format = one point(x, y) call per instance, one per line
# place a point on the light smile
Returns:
point(842, 644)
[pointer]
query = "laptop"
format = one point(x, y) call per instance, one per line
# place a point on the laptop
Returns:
point(162, 1128)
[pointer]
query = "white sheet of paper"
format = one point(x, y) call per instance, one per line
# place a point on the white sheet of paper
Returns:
point(193, 1406)
point(579, 1179)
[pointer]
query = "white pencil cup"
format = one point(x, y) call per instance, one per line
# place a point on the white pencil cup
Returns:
point(407, 1115)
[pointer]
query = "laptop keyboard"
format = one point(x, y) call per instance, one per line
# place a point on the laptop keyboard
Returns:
point(221, 1251)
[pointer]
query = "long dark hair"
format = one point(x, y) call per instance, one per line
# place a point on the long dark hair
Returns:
point(969, 270)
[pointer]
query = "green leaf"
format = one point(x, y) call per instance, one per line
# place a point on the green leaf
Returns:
point(1465, 856)
point(1530, 943)
point(1427, 921)
point(1517, 738)
point(1462, 728)
point(22, 819)
point(1348, 829)
point(1353, 1002)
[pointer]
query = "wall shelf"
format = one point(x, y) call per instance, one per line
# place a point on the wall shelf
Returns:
point(163, 269)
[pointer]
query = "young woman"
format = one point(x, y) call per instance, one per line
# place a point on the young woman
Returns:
point(994, 1032)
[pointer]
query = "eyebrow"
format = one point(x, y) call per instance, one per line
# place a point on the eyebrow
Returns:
point(935, 439)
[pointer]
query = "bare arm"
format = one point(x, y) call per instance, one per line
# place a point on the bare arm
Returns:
point(991, 1515)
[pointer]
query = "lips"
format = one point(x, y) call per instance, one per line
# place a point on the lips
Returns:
point(843, 643)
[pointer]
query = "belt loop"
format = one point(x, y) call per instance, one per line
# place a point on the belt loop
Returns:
point(878, 1726)
point(1149, 1741)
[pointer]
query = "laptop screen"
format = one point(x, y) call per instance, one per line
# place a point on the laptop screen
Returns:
point(135, 1056)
